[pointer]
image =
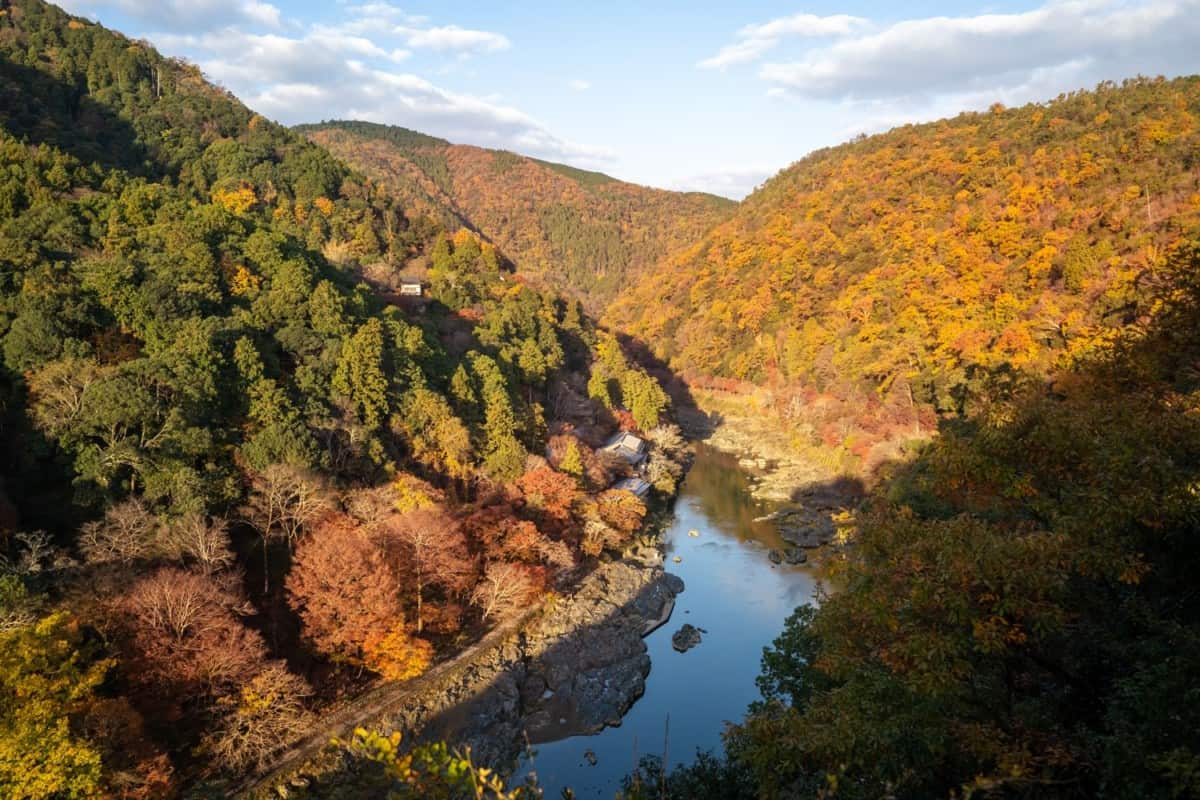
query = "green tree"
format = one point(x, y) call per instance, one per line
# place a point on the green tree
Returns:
point(504, 457)
point(361, 376)
point(572, 460)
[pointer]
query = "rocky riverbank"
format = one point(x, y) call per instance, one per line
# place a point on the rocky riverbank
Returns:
point(808, 494)
point(576, 669)
point(764, 451)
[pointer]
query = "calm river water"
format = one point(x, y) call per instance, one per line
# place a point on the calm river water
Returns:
point(735, 594)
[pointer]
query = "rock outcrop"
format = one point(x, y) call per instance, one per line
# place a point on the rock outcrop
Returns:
point(574, 671)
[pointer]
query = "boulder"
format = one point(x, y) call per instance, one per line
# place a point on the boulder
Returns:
point(775, 556)
point(794, 555)
point(687, 637)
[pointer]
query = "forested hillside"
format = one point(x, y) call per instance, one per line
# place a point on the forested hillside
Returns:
point(239, 484)
point(581, 232)
point(900, 272)
point(1017, 616)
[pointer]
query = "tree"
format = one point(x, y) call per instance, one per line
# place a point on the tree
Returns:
point(572, 461)
point(429, 547)
point(424, 772)
point(344, 589)
point(203, 541)
point(128, 532)
point(283, 502)
point(504, 455)
point(48, 680)
point(182, 636)
point(507, 588)
point(396, 655)
point(552, 495)
point(507, 537)
point(622, 510)
point(361, 375)
point(18, 606)
point(436, 437)
point(645, 399)
point(260, 718)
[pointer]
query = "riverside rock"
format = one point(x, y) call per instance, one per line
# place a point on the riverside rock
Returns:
point(794, 556)
point(572, 672)
point(687, 637)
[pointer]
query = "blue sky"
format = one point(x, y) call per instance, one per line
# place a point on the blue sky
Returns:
point(688, 95)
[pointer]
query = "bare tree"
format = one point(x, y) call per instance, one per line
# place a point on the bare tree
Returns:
point(127, 533)
point(372, 506)
point(505, 588)
point(204, 541)
point(668, 439)
point(432, 550)
point(283, 502)
point(184, 635)
point(17, 607)
point(35, 553)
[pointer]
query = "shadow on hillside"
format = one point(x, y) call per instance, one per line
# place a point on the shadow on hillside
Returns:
point(34, 474)
point(696, 423)
point(42, 109)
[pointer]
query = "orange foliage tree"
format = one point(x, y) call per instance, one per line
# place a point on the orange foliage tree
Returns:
point(344, 589)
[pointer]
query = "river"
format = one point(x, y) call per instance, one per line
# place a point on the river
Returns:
point(735, 594)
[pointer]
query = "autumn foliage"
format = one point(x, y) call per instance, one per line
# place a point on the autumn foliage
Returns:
point(900, 271)
point(583, 232)
point(344, 588)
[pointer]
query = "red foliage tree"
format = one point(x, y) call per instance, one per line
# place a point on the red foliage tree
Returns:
point(344, 588)
point(183, 636)
point(552, 496)
point(505, 537)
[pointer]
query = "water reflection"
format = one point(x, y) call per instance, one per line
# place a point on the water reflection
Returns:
point(735, 594)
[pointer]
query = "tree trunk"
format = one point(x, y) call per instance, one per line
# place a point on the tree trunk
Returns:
point(266, 569)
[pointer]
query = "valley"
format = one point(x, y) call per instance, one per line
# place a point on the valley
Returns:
point(341, 460)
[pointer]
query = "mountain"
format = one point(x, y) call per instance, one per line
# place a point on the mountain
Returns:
point(907, 270)
point(579, 231)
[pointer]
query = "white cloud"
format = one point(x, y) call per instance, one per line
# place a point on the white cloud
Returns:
point(184, 15)
point(732, 182)
point(1000, 54)
point(348, 70)
point(452, 37)
point(579, 85)
point(327, 73)
point(754, 41)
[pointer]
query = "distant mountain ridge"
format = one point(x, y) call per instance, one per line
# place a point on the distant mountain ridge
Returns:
point(577, 230)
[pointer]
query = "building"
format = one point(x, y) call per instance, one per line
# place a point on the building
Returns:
point(410, 289)
point(628, 447)
point(638, 486)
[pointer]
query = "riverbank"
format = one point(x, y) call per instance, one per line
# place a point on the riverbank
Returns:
point(811, 489)
point(736, 599)
point(570, 667)
point(772, 456)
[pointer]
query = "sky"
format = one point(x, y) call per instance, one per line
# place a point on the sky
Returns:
point(682, 95)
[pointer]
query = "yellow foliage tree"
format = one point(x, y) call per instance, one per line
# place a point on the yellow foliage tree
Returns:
point(397, 656)
point(238, 201)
